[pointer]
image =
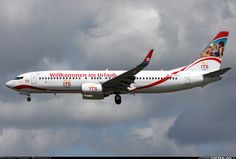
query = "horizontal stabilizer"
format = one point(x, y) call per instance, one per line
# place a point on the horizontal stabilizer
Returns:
point(217, 73)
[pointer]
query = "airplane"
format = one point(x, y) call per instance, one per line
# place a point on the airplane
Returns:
point(98, 84)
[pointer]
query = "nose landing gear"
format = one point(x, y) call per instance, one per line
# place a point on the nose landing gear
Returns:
point(28, 98)
point(117, 99)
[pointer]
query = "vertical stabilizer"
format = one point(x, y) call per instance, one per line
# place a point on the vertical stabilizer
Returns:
point(211, 58)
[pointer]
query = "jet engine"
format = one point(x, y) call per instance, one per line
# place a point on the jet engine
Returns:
point(92, 91)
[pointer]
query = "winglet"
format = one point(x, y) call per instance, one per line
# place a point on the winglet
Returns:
point(148, 57)
point(222, 34)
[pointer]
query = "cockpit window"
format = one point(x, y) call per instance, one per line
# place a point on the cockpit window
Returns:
point(18, 78)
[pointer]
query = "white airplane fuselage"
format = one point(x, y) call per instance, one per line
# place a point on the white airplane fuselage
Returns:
point(71, 81)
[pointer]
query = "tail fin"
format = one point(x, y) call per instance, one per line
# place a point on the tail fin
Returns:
point(211, 57)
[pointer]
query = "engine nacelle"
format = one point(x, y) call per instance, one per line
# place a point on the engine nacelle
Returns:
point(92, 91)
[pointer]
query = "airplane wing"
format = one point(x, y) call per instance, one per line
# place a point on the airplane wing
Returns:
point(217, 73)
point(122, 82)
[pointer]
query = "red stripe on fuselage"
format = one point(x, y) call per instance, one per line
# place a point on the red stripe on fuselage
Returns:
point(182, 69)
point(208, 58)
point(153, 84)
point(29, 87)
point(21, 87)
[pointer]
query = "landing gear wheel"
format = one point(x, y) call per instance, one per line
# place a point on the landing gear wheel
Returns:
point(28, 99)
point(117, 99)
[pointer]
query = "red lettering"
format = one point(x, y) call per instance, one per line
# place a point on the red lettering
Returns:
point(68, 74)
point(93, 89)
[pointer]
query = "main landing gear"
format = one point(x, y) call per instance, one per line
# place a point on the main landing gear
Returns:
point(117, 99)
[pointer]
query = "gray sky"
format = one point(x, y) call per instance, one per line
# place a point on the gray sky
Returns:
point(76, 34)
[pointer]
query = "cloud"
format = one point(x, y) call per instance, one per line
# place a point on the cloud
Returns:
point(68, 111)
point(17, 13)
point(52, 64)
point(36, 141)
point(206, 122)
point(149, 140)
point(115, 34)
point(154, 136)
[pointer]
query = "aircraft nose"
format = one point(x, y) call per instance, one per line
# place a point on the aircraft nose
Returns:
point(9, 84)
